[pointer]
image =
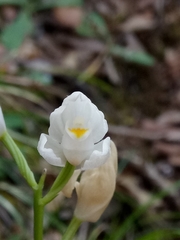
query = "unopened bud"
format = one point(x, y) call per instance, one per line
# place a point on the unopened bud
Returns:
point(96, 189)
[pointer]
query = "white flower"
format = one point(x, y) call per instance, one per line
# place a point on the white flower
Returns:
point(75, 133)
point(2, 123)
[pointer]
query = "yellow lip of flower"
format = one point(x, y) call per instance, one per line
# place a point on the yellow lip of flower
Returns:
point(78, 132)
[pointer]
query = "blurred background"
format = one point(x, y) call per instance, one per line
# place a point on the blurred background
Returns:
point(125, 56)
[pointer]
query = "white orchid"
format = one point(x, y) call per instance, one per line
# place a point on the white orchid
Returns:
point(2, 123)
point(75, 133)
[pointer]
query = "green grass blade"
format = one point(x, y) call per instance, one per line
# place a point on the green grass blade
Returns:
point(11, 210)
point(160, 234)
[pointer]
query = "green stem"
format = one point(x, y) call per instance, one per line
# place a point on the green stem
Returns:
point(20, 160)
point(72, 229)
point(59, 183)
point(39, 210)
point(38, 216)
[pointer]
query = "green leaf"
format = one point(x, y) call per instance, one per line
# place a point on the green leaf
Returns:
point(13, 2)
point(160, 234)
point(60, 3)
point(93, 25)
point(14, 34)
point(132, 56)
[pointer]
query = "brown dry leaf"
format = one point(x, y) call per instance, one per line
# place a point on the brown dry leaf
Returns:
point(133, 42)
point(147, 3)
point(173, 16)
point(138, 22)
point(166, 148)
point(52, 236)
point(149, 124)
point(112, 72)
point(172, 134)
point(172, 58)
point(171, 151)
point(8, 12)
point(176, 98)
point(174, 160)
point(169, 118)
point(91, 45)
point(9, 67)
point(29, 50)
point(68, 16)
point(137, 133)
point(113, 8)
point(70, 61)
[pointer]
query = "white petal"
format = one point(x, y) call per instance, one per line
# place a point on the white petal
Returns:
point(99, 156)
point(56, 128)
point(98, 124)
point(84, 108)
point(75, 150)
point(51, 151)
point(74, 96)
point(76, 157)
point(75, 110)
point(2, 123)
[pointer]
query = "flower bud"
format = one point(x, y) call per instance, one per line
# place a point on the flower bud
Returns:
point(2, 123)
point(96, 189)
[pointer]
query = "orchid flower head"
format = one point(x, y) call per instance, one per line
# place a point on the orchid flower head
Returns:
point(76, 131)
